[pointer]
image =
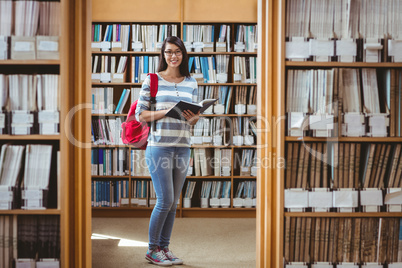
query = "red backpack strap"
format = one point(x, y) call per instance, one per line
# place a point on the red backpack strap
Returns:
point(154, 84)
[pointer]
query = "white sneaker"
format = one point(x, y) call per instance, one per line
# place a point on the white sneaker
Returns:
point(171, 256)
point(158, 257)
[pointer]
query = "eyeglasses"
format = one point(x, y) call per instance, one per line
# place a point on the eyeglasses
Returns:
point(170, 53)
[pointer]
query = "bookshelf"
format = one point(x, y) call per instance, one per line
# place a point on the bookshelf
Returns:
point(182, 13)
point(271, 214)
point(65, 207)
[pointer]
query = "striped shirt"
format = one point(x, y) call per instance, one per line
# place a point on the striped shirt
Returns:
point(168, 132)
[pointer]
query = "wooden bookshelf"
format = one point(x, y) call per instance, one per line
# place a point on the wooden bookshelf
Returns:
point(271, 213)
point(182, 14)
point(74, 238)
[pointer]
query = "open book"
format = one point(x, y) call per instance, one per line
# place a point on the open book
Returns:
point(177, 110)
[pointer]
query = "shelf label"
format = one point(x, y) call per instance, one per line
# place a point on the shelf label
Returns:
point(118, 76)
point(207, 139)
point(225, 171)
point(198, 44)
point(48, 46)
point(220, 44)
point(222, 78)
point(209, 44)
point(22, 117)
point(197, 75)
point(105, 77)
point(48, 117)
point(3, 45)
point(2, 120)
point(158, 45)
point(23, 46)
point(6, 196)
point(96, 76)
point(116, 44)
point(137, 46)
point(105, 46)
point(32, 194)
point(237, 77)
point(95, 45)
point(240, 47)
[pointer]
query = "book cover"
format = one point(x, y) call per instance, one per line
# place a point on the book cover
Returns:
point(177, 110)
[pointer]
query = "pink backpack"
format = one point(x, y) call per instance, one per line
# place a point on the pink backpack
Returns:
point(136, 133)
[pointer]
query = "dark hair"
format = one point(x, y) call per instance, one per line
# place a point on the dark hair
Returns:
point(184, 62)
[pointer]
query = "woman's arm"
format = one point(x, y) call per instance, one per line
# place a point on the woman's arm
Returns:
point(149, 116)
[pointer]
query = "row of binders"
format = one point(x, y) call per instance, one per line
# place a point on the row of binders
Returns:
point(219, 131)
point(218, 194)
point(345, 31)
point(365, 102)
point(29, 241)
point(103, 100)
point(116, 37)
point(30, 104)
point(109, 162)
point(343, 19)
point(29, 30)
point(108, 69)
point(325, 177)
point(342, 242)
point(242, 98)
point(22, 183)
point(26, 241)
point(207, 38)
point(119, 193)
point(197, 38)
point(106, 131)
point(218, 162)
point(216, 131)
point(212, 69)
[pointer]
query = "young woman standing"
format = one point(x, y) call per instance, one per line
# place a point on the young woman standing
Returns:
point(168, 150)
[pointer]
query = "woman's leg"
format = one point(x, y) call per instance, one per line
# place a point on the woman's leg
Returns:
point(180, 165)
point(160, 163)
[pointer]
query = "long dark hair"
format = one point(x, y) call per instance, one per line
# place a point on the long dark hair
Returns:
point(184, 62)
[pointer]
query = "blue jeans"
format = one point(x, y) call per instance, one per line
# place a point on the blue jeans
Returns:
point(168, 167)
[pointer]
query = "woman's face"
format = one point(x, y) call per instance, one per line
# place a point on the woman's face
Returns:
point(173, 55)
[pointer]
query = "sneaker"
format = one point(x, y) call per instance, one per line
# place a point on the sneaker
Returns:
point(171, 256)
point(158, 257)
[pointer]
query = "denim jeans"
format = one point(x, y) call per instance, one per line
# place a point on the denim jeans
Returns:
point(168, 167)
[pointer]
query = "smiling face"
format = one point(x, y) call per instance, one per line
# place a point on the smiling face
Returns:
point(173, 55)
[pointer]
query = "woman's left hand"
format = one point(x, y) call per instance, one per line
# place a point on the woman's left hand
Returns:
point(191, 117)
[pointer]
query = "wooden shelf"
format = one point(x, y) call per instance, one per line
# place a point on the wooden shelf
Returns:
point(110, 177)
point(344, 214)
point(31, 212)
point(342, 64)
point(157, 53)
point(218, 209)
point(344, 139)
point(200, 84)
point(116, 84)
point(244, 177)
point(203, 115)
point(29, 62)
point(208, 177)
point(29, 137)
point(122, 208)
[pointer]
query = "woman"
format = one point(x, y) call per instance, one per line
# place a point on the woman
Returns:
point(168, 150)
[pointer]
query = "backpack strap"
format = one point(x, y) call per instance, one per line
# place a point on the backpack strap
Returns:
point(153, 86)
point(154, 90)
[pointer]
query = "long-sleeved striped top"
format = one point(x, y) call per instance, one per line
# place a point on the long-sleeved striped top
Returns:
point(168, 131)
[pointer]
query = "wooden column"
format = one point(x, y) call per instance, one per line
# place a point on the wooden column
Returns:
point(77, 121)
point(271, 142)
